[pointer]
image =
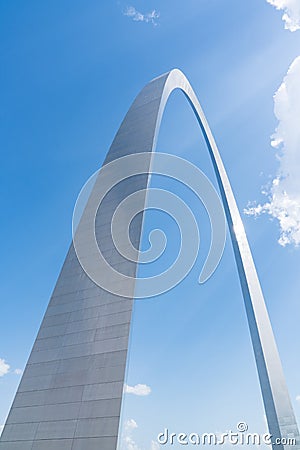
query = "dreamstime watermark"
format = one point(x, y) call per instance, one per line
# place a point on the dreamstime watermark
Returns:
point(102, 228)
point(238, 437)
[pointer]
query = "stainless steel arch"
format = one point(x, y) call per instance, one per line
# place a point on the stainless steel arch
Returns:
point(70, 395)
point(148, 108)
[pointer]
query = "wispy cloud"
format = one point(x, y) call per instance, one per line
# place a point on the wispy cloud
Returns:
point(298, 398)
point(154, 445)
point(284, 192)
point(18, 371)
point(128, 442)
point(137, 16)
point(291, 13)
point(127, 439)
point(4, 367)
point(138, 389)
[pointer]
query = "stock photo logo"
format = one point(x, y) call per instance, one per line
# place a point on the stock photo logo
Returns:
point(239, 436)
point(107, 224)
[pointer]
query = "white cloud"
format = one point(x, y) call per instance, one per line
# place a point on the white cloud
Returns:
point(127, 440)
point(4, 367)
point(284, 192)
point(137, 16)
point(291, 12)
point(298, 398)
point(18, 371)
point(154, 445)
point(138, 389)
point(130, 444)
point(130, 424)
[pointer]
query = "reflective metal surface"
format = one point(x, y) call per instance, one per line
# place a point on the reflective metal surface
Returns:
point(70, 394)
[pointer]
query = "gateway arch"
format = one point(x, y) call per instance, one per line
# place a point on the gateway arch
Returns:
point(70, 394)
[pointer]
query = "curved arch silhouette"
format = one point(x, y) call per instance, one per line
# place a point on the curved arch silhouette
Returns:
point(139, 132)
point(71, 392)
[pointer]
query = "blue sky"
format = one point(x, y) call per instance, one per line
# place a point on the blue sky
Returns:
point(69, 72)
